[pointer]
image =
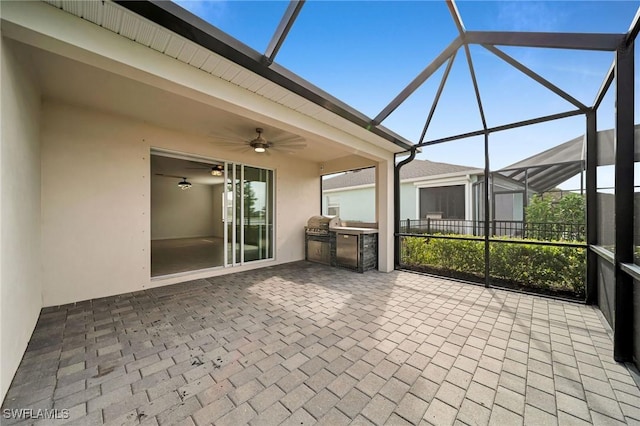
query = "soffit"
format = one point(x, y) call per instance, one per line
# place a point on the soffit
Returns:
point(119, 20)
point(73, 82)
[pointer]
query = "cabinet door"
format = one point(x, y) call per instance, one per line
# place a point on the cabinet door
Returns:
point(347, 250)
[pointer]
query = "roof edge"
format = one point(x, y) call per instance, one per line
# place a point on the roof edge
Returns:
point(182, 22)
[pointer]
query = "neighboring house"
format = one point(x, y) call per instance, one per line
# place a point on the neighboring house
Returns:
point(449, 191)
point(428, 189)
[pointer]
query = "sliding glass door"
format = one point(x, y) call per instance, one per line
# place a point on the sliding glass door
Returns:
point(257, 215)
point(249, 214)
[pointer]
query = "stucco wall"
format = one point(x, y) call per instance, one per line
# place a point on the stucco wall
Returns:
point(408, 201)
point(359, 204)
point(355, 201)
point(182, 214)
point(20, 258)
point(355, 204)
point(96, 201)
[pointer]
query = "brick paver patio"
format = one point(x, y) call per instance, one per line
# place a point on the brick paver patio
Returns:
point(303, 343)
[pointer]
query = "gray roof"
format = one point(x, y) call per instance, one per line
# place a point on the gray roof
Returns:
point(547, 169)
point(415, 169)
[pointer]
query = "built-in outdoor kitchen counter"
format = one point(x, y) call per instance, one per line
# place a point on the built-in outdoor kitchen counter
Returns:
point(352, 245)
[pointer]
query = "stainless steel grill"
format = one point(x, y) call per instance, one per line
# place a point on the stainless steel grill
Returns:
point(320, 225)
point(318, 240)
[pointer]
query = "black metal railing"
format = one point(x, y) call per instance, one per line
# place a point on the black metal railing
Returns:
point(502, 228)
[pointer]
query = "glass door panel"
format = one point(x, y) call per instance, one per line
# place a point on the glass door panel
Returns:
point(257, 213)
point(269, 215)
point(248, 214)
point(229, 216)
point(239, 230)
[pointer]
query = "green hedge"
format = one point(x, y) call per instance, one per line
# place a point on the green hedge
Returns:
point(551, 269)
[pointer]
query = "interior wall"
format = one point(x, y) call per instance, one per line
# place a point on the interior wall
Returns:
point(96, 201)
point(177, 213)
point(20, 256)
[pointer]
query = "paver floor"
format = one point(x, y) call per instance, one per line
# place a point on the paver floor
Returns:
point(301, 344)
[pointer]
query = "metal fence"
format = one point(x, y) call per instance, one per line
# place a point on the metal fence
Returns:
point(502, 228)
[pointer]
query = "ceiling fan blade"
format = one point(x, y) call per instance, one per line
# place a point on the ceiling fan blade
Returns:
point(291, 139)
point(226, 140)
point(170, 176)
point(284, 151)
point(290, 146)
point(233, 143)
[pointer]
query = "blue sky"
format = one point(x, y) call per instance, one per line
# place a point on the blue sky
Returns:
point(365, 52)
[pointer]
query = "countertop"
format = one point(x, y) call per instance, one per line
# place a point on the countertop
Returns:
point(352, 230)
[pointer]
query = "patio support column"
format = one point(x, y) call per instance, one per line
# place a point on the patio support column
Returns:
point(591, 289)
point(624, 158)
point(385, 214)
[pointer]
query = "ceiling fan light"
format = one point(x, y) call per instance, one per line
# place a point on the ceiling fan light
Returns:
point(183, 184)
point(259, 144)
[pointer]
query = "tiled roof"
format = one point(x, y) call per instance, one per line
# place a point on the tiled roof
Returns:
point(415, 169)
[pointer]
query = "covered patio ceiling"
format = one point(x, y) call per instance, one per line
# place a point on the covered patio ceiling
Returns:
point(64, 79)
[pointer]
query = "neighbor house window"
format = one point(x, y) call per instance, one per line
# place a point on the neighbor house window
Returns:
point(444, 202)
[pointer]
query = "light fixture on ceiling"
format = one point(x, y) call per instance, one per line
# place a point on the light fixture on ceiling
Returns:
point(183, 184)
point(217, 170)
point(259, 144)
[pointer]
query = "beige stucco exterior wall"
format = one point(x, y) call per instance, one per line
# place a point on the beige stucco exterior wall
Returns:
point(20, 273)
point(96, 201)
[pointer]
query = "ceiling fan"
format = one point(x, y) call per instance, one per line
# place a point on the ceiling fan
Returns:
point(261, 145)
point(183, 184)
point(214, 169)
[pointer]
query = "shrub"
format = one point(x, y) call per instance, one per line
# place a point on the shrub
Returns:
point(549, 219)
point(568, 209)
point(547, 268)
